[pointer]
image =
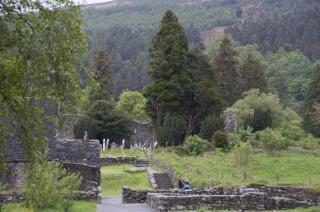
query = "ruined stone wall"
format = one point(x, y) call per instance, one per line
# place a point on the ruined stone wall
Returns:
point(254, 198)
point(75, 155)
point(14, 177)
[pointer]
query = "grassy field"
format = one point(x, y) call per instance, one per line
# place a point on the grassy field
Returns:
point(214, 168)
point(121, 153)
point(113, 178)
point(79, 206)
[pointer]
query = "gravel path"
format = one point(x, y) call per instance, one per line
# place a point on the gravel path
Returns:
point(114, 204)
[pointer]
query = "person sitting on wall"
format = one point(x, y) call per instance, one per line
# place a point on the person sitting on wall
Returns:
point(180, 183)
point(187, 185)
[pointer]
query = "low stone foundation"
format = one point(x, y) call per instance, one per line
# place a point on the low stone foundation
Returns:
point(116, 160)
point(257, 198)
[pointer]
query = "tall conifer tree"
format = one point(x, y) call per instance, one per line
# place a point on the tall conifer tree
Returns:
point(312, 101)
point(102, 75)
point(225, 64)
point(169, 71)
point(252, 74)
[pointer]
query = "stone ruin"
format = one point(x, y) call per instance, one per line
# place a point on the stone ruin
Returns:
point(253, 198)
point(230, 121)
point(79, 156)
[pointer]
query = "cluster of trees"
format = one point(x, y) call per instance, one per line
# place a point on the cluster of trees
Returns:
point(288, 24)
point(128, 29)
point(184, 88)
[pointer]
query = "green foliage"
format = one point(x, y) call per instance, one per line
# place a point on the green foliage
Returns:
point(103, 121)
point(243, 156)
point(39, 55)
point(288, 75)
point(221, 140)
point(252, 74)
point(102, 75)
point(311, 119)
point(210, 125)
point(287, 24)
point(132, 105)
point(273, 141)
point(260, 120)
point(225, 64)
point(195, 145)
point(50, 186)
point(172, 81)
point(171, 132)
point(309, 142)
point(204, 98)
point(255, 100)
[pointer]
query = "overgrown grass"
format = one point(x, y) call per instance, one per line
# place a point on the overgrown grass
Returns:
point(121, 153)
point(79, 206)
point(113, 178)
point(214, 168)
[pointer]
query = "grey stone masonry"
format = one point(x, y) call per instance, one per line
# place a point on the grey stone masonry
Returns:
point(255, 198)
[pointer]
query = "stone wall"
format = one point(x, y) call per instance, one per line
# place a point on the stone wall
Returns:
point(79, 156)
point(116, 160)
point(14, 177)
point(255, 198)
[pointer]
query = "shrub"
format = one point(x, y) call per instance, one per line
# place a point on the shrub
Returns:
point(50, 186)
point(195, 145)
point(210, 125)
point(309, 142)
point(242, 156)
point(272, 141)
point(220, 140)
point(171, 131)
point(260, 120)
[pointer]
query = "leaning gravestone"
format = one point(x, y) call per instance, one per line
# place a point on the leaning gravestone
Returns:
point(230, 121)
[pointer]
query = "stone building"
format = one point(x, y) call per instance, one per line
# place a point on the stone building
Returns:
point(81, 156)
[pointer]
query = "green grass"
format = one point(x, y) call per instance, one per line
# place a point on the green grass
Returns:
point(121, 153)
point(213, 169)
point(113, 178)
point(79, 206)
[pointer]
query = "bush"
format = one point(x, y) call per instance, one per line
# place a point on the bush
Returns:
point(309, 142)
point(242, 156)
point(195, 145)
point(260, 120)
point(273, 141)
point(171, 131)
point(210, 125)
point(220, 140)
point(50, 186)
point(103, 121)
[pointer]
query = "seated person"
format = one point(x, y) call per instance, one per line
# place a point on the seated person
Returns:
point(187, 185)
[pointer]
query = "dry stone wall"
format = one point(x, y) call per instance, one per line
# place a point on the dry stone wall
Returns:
point(256, 198)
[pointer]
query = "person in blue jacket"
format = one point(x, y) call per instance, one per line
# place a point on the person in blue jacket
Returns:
point(187, 185)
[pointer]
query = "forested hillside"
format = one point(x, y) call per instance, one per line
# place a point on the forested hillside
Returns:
point(126, 27)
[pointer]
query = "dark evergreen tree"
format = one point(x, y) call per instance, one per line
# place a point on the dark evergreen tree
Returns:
point(210, 125)
point(204, 97)
point(312, 100)
point(102, 75)
point(102, 122)
point(225, 64)
point(252, 74)
point(169, 71)
point(260, 120)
